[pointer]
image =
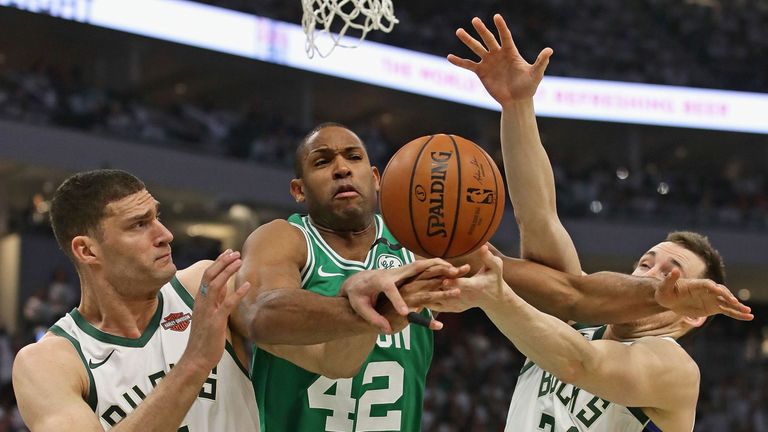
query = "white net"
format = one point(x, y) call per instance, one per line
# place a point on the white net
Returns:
point(325, 22)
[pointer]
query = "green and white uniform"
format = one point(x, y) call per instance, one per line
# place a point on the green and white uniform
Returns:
point(387, 393)
point(541, 402)
point(123, 371)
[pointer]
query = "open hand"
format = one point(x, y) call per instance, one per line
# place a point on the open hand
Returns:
point(699, 297)
point(210, 315)
point(503, 71)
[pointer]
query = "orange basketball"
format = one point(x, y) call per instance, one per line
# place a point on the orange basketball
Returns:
point(441, 196)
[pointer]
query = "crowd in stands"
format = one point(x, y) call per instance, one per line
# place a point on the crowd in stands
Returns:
point(698, 43)
point(734, 194)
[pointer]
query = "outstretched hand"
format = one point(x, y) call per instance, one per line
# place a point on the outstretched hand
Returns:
point(699, 297)
point(503, 71)
point(210, 315)
point(363, 289)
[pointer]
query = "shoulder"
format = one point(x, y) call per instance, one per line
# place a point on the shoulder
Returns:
point(37, 363)
point(276, 239)
point(668, 352)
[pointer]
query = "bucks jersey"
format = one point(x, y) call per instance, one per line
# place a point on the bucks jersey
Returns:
point(541, 402)
point(387, 393)
point(123, 371)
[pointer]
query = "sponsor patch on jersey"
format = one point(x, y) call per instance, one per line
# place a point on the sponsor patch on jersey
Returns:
point(387, 261)
point(177, 321)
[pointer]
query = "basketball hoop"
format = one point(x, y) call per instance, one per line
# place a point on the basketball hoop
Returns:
point(355, 15)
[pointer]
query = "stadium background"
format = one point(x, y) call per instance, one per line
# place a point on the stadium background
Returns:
point(212, 134)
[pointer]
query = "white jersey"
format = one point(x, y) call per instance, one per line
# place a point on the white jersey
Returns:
point(541, 402)
point(123, 371)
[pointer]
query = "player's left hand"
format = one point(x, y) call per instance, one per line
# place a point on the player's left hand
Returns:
point(503, 71)
point(699, 297)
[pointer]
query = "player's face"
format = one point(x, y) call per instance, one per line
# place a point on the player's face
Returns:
point(657, 263)
point(134, 247)
point(339, 184)
point(665, 256)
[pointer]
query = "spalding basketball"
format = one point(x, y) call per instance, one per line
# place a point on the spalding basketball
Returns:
point(441, 196)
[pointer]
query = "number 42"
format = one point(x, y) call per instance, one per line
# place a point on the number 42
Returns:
point(342, 404)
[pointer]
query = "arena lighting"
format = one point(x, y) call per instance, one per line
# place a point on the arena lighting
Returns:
point(282, 43)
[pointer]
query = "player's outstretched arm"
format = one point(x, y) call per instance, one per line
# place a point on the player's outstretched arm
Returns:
point(607, 297)
point(652, 373)
point(52, 384)
point(512, 82)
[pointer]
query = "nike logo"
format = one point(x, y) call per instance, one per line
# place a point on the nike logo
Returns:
point(93, 365)
point(321, 273)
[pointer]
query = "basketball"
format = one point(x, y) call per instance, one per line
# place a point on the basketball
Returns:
point(441, 196)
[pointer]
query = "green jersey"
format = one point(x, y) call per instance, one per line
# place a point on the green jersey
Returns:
point(387, 393)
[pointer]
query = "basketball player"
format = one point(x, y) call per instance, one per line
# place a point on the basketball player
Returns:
point(621, 377)
point(138, 352)
point(366, 371)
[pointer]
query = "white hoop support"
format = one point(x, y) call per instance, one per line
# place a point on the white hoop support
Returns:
point(356, 15)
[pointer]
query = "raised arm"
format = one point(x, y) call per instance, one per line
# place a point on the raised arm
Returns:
point(512, 82)
point(52, 385)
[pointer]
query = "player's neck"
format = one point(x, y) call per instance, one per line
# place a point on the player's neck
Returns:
point(104, 308)
point(351, 244)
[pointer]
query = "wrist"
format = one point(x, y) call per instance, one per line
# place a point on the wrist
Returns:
point(511, 105)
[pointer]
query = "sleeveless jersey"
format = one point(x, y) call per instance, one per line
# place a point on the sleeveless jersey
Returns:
point(123, 371)
point(387, 393)
point(541, 402)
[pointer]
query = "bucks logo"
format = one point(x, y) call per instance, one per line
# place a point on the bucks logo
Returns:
point(386, 261)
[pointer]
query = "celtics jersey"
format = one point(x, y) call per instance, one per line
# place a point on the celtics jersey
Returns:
point(387, 393)
point(123, 371)
point(541, 402)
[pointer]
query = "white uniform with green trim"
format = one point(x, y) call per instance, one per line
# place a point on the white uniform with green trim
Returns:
point(541, 402)
point(123, 371)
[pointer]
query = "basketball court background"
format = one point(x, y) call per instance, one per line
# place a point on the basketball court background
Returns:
point(212, 133)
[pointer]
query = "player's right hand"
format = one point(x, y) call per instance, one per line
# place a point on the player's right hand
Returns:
point(210, 315)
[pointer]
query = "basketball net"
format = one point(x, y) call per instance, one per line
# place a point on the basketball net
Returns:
point(350, 15)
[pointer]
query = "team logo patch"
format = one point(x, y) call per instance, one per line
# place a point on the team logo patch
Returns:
point(386, 261)
point(177, 321)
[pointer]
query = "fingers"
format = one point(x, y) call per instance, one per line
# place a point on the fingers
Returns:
point(542, 61)
point(670, 280)
point(230, 303)
point(471, 43)
point(420, 299)
point(363, 306)
point(488, 38)
point(462, 63)
point(736, 314)
point(504, 34)
point(393, 294)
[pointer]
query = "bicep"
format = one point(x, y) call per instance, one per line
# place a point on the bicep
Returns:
point(308, 357)
point(272, 256)
point(651, 372)
point(49, 392)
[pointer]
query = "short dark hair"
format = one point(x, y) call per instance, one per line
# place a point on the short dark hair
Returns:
point(298, 169)
point(79, 203)
point(700, 245)
point(715, 268)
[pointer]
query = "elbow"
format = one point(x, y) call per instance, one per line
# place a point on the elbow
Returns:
point(263, 319)
point(572, 372)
